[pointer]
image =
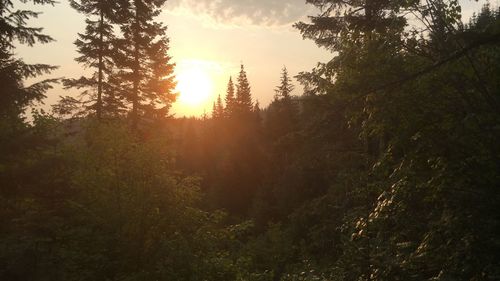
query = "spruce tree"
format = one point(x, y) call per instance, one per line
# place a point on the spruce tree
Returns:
point(230, 98)
point(282, 114)
point(243, 93)
point(14, 95)
point(214, 111)
point(97, 51)
point(145, 65)
point(158, 93)
point(285, 88)
point(257, 112)
point(14, 25)
point(218, 109)
point(256, 107)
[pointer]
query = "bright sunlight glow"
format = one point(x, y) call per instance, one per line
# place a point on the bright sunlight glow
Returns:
point(194, 86)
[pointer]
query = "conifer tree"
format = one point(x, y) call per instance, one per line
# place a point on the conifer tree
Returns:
point(220, 107)
point(97, 52)
point(257, 112)
point(14, 25)
point(145, 64)
point(282, 114)
point(214, 111)
point(230, 98)
point(243, 93)
point(158, 93)
point(256, 107)
point(14, 95)
point(285, 89)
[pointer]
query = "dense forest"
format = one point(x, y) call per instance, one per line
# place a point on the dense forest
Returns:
point(386, 166)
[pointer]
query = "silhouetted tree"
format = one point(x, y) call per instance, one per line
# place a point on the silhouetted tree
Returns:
point(282, 114)
point(257, 111)
point(285, 89)
point(230, 99)
point(97, 50)
point(14, 95)
point(244, 102)
point(218, 109)
point(145, 65)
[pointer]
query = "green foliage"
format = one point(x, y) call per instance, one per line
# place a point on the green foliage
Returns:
point(146, 214)
point(109, 207)
point(423, 137)
point(385, 169)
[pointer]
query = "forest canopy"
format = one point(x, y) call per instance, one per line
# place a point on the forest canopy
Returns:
point(385, 167)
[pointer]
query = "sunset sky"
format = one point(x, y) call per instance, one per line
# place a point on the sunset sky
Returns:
point(209, 40)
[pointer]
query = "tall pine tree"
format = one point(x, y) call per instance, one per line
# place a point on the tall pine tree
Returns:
point(282, 114)
point(243, 94)
point(285, 88)
point(97, 51)
point(230, 98)
point(218, 109)
point(158, 93)
point(145, 64)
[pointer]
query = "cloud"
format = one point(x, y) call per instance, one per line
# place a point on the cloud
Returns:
point(257, 12)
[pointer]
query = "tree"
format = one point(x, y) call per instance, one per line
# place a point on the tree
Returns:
point(257, 111)
point(218, 109)
point(97, 51)
point(230, 98)
point(243, 100)
point(144, 63)
point(14, 96)
point(14, 25)
point(159, 89)
point(282, 115)
point(25, 171)
point(387, 83)
point(285, 89)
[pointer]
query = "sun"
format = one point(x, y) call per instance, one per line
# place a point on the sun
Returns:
point(194, 86)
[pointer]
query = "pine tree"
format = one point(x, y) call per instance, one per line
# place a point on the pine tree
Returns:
point(230, 98)
point(256, 107)
point(14, 25)
point(158, 92)
point(282, 114)
point(285, 89)
point(257, 112)
point(97, 52)
point(14, 95)
point(243, 93)
point(145, 64)
point(214, 111)
point(218, 109)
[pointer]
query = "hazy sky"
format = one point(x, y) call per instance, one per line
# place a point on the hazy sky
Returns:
point(215, 36)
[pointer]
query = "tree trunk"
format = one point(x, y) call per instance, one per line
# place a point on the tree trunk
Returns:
point(101, 67)
point(135, 93)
